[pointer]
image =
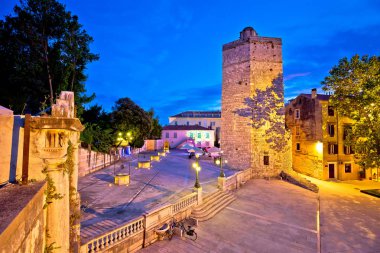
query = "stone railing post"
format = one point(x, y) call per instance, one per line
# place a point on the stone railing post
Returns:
point(199, 195)
point(222, 183)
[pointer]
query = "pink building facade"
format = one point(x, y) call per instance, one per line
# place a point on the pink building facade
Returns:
point(177, 134)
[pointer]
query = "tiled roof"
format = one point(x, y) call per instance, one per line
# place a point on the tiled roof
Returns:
point(198, 114)
point(319, 96)
point(182, 127)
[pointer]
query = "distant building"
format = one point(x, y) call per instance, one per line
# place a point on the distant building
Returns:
point(178, 134)
point(318, 135)
point(207, 119)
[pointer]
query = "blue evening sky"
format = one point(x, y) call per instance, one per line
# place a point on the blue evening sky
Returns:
point(167, 54)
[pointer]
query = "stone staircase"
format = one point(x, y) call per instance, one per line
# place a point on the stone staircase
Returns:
point(212, 204)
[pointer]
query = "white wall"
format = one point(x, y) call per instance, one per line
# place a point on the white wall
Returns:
point(207, 137)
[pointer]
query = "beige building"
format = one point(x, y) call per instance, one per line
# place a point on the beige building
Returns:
point(252, 67)
point(207, 119)
point(318, 135)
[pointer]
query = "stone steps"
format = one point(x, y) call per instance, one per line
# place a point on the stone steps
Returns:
point(208, 201)
point(212, 204)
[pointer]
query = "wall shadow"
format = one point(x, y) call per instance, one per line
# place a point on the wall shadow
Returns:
point(17, 124)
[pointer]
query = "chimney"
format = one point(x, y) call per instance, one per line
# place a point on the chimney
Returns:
point(314, 93)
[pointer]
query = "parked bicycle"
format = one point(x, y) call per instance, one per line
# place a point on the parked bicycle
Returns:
point(188, 232)
point(167, 230)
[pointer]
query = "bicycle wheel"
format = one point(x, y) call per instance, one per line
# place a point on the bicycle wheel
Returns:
point(193, 237)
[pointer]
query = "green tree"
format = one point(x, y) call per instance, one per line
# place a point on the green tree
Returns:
point(98, 134)
point(156, 127)
point(43, 50)
point(129, 117)
point(267, 106)
point(355, 84)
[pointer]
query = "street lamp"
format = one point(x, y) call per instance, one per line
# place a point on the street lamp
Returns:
point(197, 169)
point(220, 162)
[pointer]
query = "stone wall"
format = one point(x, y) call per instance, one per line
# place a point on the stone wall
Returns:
point(91, 161)
point(6, 133)
point(153, 145)
point(236, 139)
point(252, 64)
point(26, 230)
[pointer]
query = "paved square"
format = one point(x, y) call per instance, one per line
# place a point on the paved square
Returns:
point(268, 216)
point(110, 206)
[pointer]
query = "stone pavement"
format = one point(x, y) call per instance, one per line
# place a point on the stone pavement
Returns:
point(276, 217)
point(350, 220)
point(109, 206)
point(268, 216)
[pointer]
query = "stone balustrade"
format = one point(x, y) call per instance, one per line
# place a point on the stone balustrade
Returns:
point(236, 180)
point(130, 236)
point(109, 239)
point(185, 202)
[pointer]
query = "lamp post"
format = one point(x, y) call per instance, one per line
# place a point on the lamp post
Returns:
point(197, 169)
point(220, 162)
point(114, 162)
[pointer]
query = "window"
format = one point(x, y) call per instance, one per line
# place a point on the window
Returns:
point(297, 130)
point(347, 131)
point(333, 149)
point(348, 150)
point(191, 135)
point(331, 129)
point(330, 111)
point(298, 146)
point(175, 123)
point(297, 114)
point(207, 135)
point(199, 135)
point(166, 135)
point(212, 123)
point(347, 167)
point(200, 123)
point(175, 135)
point(290, 111)
point(188, 123)
point(266, 160)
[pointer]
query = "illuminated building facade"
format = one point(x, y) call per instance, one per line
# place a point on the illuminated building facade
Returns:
point(318, 135)
point(177, 134)
point(207, 119)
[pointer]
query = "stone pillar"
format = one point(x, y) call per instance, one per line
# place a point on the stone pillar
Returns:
point(52, 136)
point(199, 192)
point(222, 183)
point(74, 180)
point(75, 202)
point(58, 211)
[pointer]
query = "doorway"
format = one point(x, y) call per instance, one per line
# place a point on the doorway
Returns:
point(332, 172)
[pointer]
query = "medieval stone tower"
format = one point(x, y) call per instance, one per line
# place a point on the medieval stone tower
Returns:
point(252, 65)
